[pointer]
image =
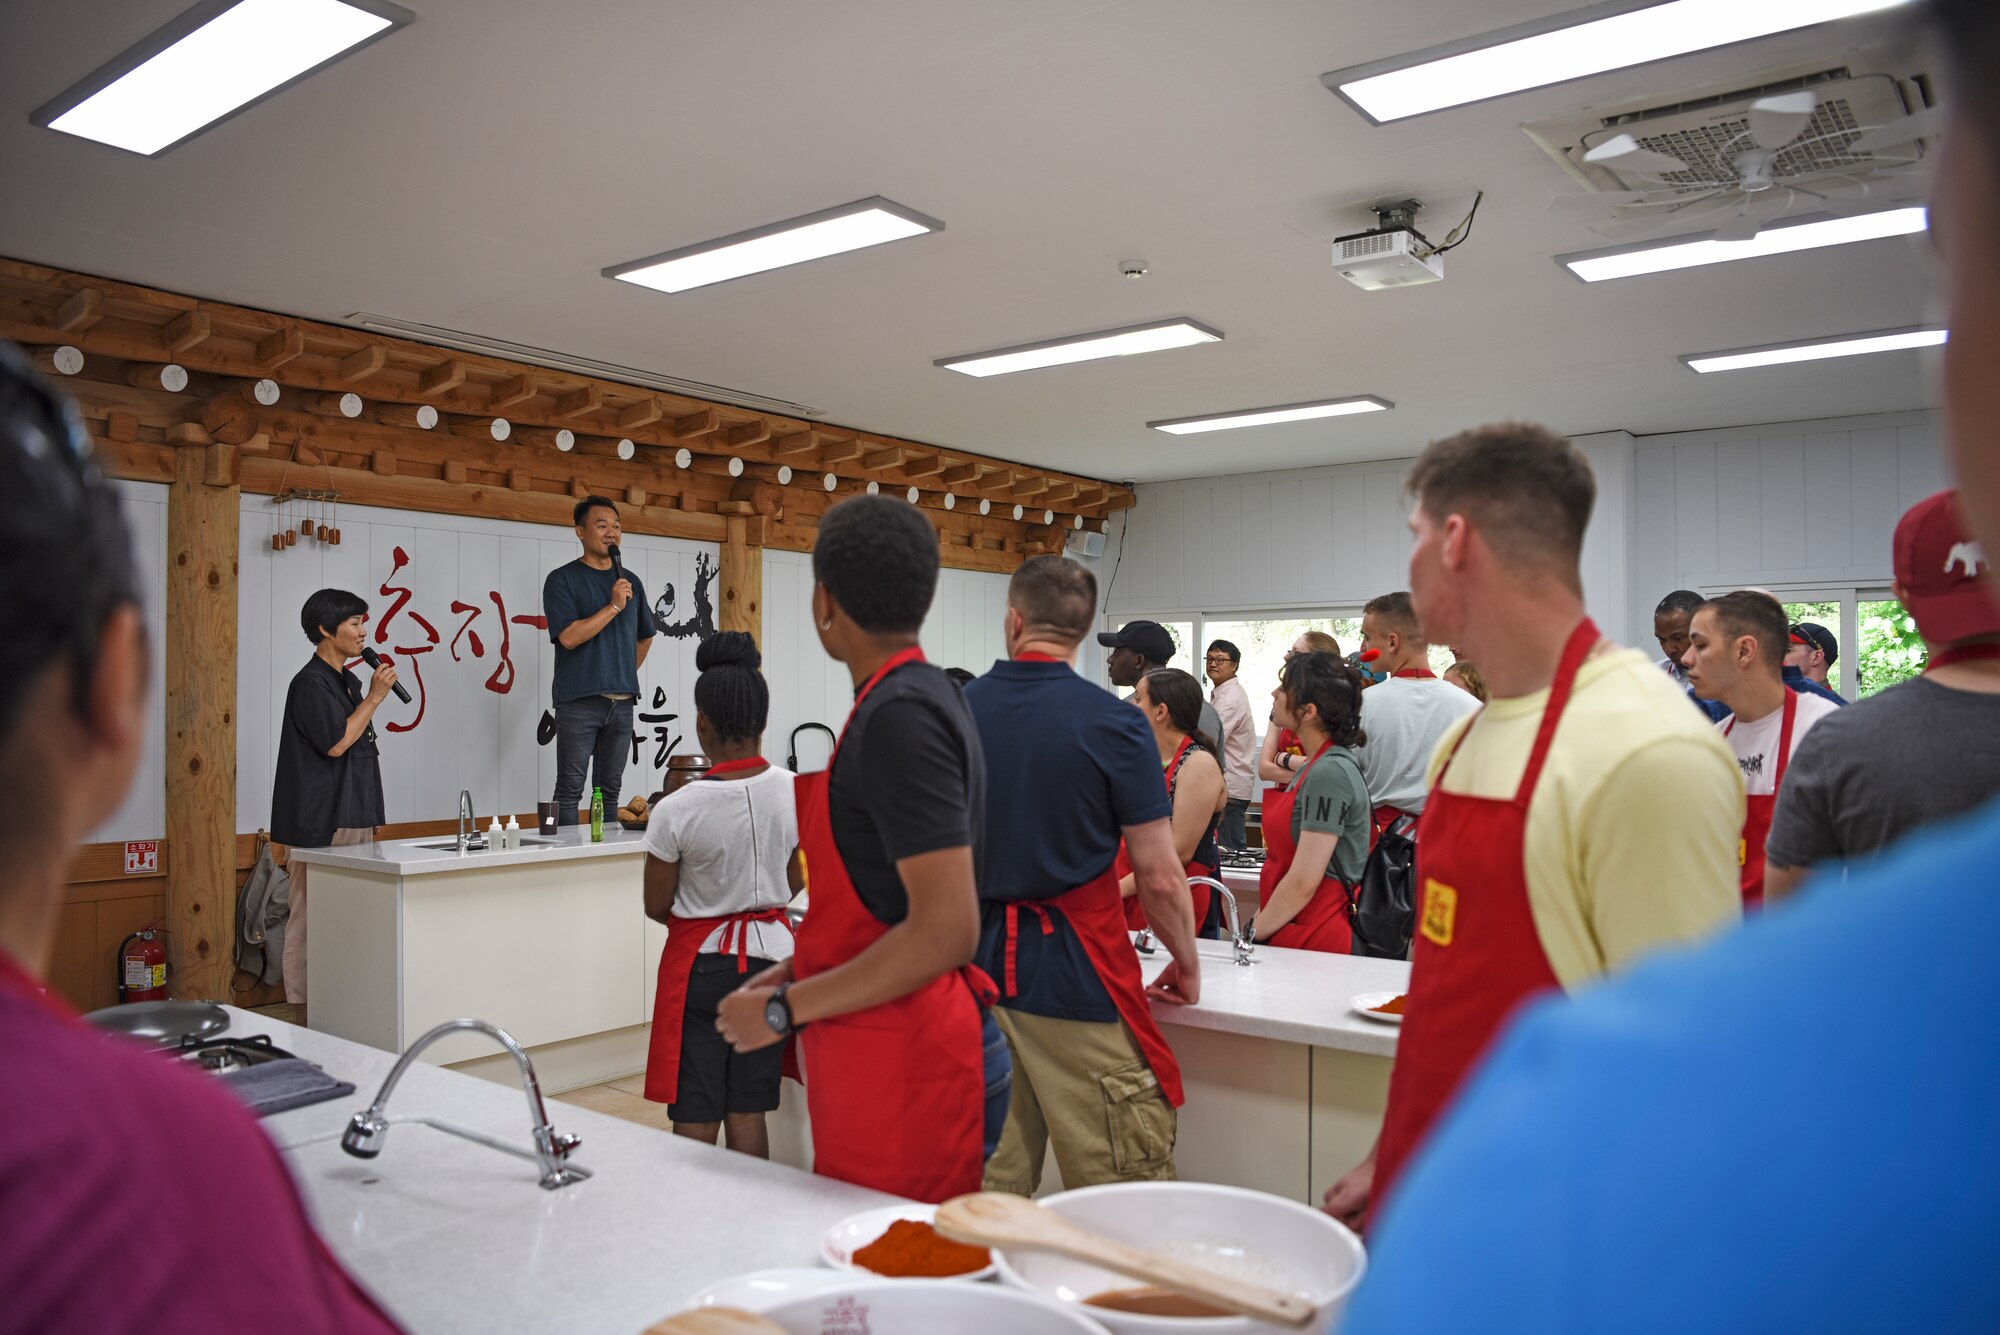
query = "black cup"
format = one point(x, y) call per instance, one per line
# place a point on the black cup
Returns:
point(548, 812)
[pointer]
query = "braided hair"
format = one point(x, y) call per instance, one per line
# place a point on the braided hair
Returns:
point(1181, 694)
point(730, 692)
point(1332, 685)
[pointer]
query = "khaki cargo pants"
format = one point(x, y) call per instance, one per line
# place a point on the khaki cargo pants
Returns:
point(1086, 1088)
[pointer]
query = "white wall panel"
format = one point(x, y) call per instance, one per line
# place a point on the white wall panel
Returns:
point(143, 813)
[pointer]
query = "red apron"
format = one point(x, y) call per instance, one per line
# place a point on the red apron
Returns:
point(899, 1100)
point(677, 957)
point(1135, 917)
point(1758, 807)
point(1323, 924)
point(1096, 912)
point(1468, 976)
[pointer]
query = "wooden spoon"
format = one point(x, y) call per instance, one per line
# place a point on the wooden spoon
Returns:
point(715, 1321)
point(995, 1219)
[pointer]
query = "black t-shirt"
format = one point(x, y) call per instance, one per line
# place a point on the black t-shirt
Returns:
point(910, 779)
point(314, 793)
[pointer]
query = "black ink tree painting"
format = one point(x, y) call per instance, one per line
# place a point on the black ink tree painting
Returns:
point(702, 624)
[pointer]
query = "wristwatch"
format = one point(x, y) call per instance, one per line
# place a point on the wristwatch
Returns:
point(778, 1011)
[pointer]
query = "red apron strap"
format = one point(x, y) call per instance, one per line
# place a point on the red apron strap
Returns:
point(1785, 739)
point(1010, 986)
point(1581, 641)
point(1963, 653)
point(722, 767)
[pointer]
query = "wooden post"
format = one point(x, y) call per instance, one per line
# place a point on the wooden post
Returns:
point(200, 654)
point(741, 596)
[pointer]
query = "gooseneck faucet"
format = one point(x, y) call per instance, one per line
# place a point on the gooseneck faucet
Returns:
point(468, 824)
point(366, 1132)
point(1242, 943)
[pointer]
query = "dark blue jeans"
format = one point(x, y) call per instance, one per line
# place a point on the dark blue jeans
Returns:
point(1230, 834)
point(998, 1061)
point(593, 734)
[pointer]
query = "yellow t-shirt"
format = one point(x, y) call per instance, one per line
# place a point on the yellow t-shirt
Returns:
point(1632, 831)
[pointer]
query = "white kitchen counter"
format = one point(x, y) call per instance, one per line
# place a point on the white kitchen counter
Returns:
point(1296, 996)
point(409, 857)
point(453, 1236)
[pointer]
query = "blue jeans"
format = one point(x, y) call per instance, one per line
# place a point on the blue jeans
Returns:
point(1230, 834)
point(595, 734)
point(999, 1067)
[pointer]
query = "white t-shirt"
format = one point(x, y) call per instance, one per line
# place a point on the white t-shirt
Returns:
point(1756, 744)
point(733, 839)
point(1404, 718)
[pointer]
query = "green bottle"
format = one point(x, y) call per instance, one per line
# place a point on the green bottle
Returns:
point(597, 815)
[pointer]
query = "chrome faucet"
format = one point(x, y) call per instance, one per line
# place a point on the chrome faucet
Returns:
point(1242, 942)
point(468, 824)
point(365, 1133)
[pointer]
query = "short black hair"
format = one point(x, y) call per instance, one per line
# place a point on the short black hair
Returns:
point(581, 511)
point(325, 610)
point(730, 692)
point(1332, 685)
point(878, 559)
point(65, 550)
point(1226, 647)
point(1758, 615)
point(1055, 594)
point(1396, 609)
point(1683, 601)
point(1529, 490)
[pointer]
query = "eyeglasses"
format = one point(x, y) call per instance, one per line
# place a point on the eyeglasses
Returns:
point(1220, 658)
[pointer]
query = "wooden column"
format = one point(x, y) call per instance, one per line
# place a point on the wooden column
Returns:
point(741, 580)
point(200, 657)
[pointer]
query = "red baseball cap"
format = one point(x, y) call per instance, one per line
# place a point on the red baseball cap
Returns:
point(1942, 571)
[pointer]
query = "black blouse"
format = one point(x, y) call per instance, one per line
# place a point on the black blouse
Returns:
point(314, 793)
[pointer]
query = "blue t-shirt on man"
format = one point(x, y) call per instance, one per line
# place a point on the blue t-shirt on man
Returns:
point(1791, 1129)
point(1067, 766)
point(608, 662)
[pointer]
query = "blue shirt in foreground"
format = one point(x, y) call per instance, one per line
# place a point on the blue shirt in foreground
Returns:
point(1067, 766)
point(1796, 1128)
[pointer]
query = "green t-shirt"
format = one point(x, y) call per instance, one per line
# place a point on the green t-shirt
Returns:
point(1333, 799)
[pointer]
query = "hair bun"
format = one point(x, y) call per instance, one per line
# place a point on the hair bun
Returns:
point(728, 648)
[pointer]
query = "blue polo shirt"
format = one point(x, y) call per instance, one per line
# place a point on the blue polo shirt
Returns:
point(1790, 1128)
point(1804, 685)
point(1067, 767)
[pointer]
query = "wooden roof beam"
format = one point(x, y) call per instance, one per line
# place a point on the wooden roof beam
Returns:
point(441, 379)
point(281, 346)
point(749, 433)
point(641, 414)
point(513, 390)
point(359, 366)
point(889, 458)
point(694, 426)
point(580, 402)
point(81, 311)
point(187, 330)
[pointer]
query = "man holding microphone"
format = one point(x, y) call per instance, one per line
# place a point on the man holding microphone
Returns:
point(597, 616)
point(328, 788)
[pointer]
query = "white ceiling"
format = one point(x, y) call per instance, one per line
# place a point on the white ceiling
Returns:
point(477, 169)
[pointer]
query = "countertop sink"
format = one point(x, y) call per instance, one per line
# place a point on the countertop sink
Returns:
point(451, 845)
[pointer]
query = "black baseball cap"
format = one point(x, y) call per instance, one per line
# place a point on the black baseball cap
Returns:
point(1148, 638)
point(1819, 637)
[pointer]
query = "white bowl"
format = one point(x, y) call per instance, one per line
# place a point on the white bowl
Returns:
point(926, 1307)
point(1250, 1235)
point(759, 1289)
point(1364, 1004)
point(851, 1234)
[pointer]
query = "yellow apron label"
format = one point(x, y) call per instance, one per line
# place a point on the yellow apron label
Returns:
point(1742, 852)
point(1440, 911)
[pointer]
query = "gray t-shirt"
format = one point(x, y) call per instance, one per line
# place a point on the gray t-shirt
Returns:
point(1332, 799)
point(1865, 776)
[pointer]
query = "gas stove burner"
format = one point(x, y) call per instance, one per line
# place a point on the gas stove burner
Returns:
point(222, 1055)
point(1244, 859)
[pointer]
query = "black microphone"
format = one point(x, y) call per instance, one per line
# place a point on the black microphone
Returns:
point(617, 566)
point(374, 660)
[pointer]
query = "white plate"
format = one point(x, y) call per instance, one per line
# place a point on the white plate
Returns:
point(853, 1233)
point(762, 1288)
point(1364, 1004)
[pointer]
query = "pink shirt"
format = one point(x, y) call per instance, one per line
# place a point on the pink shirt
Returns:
point(136, 1195)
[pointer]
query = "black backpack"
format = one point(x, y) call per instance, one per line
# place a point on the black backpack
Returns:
point(1383, 907)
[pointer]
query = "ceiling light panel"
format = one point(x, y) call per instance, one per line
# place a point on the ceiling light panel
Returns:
point(1291, 412)
point(1155, 337)
point(210, 63)
point(856, 226)
point(1683, 253)
point(1558, 49)
point(1818, 349)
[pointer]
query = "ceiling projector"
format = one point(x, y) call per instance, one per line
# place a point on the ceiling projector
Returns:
point(1394, 253)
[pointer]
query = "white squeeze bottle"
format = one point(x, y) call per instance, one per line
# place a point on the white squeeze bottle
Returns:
point(513, 832)
point(495, 836)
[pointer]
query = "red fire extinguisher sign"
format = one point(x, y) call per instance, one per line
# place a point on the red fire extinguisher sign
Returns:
point(142, 857)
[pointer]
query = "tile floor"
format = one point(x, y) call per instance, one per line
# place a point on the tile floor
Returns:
point(620, 1098)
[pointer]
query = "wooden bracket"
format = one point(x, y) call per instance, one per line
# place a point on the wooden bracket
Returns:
point(220, 466)
point(888, 458)
point(360, 365)
point(1033, 486)
point(922, 466)
point(441, 379)
point(749, 433)
point(513, 390)
point(384, 464)
point(841, 451)
point(282, 346)
point(518, 479)
point(688, 502)
point(959, 474)
point(189, 329)
point(797, 446)
point(579, 488)
point(696, 425)
point(643, 413)
point(635, 495)
point(81, 311)
point(454, 470)
point(579, 402)
point(1058, 493)
point(121, 426)
point(187, 433)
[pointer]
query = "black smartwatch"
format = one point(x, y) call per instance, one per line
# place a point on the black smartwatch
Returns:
point(778, 1011)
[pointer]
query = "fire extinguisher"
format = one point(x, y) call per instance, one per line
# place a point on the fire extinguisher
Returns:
point(142, 967)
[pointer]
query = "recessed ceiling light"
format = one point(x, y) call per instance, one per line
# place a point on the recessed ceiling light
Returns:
point(210, 63)
point(1291, 412)
point(1560, 48)
point(1816, 349)
point(1661, 256)
point(1155, 337)
point(856, 226)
